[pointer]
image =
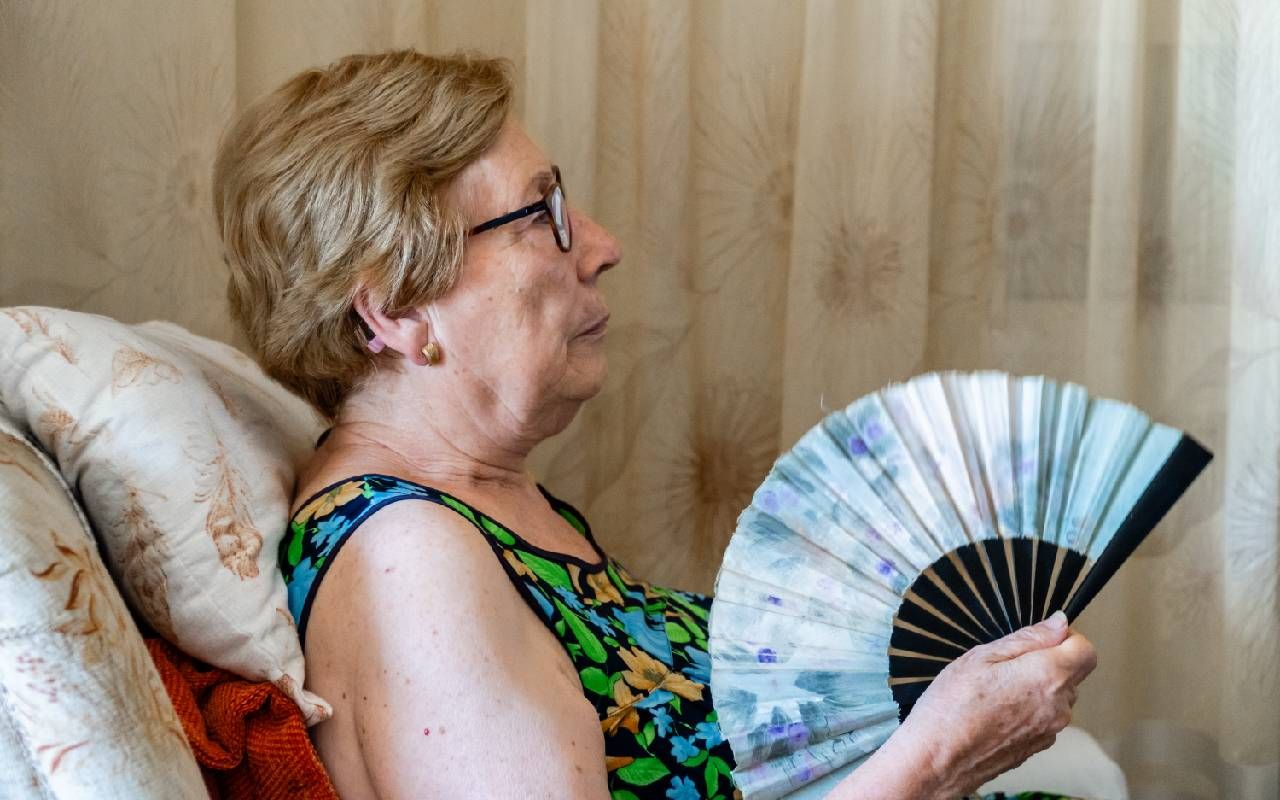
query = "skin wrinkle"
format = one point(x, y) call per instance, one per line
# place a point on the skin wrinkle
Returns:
point(494, 395)
point(534, 297)
point(498, 401)
point(466, 463)
point(461, 463)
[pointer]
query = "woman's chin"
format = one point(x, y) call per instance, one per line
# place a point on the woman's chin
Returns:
point(588, 373)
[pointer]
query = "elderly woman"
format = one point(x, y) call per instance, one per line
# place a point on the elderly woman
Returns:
point(403, 255)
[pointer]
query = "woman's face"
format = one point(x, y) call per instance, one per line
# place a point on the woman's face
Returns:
point(522, 323)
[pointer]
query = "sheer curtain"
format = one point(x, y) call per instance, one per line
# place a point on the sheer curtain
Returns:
point(814, 198)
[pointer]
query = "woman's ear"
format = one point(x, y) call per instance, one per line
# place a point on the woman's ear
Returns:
point(404, 333)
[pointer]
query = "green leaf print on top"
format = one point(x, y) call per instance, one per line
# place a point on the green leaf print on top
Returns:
point(640, 651)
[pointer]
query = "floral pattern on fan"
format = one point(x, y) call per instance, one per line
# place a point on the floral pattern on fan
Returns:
point(924, 519)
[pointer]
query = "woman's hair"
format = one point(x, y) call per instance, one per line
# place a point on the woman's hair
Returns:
point(336, 182)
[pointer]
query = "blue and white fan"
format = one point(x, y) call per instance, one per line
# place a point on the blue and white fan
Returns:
point(923, 520)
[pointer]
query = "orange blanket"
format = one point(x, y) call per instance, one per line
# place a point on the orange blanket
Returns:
point(249, 738)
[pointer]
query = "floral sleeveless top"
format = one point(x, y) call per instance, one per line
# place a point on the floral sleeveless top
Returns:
point(640, 650)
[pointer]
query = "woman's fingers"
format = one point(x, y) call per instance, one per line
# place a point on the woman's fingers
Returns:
point(1078, 656)
point(1042, 663)
point(1048, 633)
point(1066, 664)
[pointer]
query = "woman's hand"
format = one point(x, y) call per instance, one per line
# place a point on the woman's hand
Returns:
point(1001, 703)
point(987, 712)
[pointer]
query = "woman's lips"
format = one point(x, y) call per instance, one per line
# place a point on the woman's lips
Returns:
point(597, 329)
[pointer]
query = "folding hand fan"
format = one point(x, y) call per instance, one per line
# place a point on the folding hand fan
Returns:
point(921, 521)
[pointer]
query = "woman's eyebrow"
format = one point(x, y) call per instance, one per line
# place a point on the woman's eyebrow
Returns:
point(536, 187)
point(540, 181)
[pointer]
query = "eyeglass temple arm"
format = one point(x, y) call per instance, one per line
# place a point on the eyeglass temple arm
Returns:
point(512, 217)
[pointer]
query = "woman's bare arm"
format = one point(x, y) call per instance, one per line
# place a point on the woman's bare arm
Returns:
point(444, 682)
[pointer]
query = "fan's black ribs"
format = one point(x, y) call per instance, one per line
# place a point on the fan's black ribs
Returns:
point(946, 612)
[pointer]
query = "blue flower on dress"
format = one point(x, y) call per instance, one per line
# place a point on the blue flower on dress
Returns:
point(683, 788)
point(328, 530)
point(541, 597)
point(397, 488)
point(709, 732)
point(637, 627)
point(689, 597)
point(658, 697)
point(570, 599)
point(600, 622)
point(700, 668)
point(683, 749)
point(662, 721)
point(299, 584)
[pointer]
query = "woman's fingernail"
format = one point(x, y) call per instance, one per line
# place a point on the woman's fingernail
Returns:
point(1058, 620)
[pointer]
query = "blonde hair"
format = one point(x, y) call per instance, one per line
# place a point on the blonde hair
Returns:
point(337, 181)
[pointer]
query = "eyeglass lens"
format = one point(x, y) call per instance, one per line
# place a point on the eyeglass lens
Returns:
point(560, 219)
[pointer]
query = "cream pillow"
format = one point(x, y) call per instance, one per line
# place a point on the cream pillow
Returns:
point(184, 454)
point(18, 774)
point(82, 710)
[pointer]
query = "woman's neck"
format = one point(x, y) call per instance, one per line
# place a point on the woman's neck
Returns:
point(428, 439)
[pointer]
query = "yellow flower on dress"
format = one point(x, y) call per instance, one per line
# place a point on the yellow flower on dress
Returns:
point(616, 762)
point(604, 589)
point(517, 566)
point(624, 714)
point(647, 674)
point(327, 502)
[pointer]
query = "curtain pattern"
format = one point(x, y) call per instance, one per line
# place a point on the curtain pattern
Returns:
point(814, 199)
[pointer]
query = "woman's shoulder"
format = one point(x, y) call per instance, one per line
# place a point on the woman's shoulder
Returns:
point(430, 537)
point(418, 626)
point(343, 528)
point(414, 568)
point(320, 493)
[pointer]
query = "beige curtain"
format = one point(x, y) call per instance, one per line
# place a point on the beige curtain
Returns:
point(815, 198)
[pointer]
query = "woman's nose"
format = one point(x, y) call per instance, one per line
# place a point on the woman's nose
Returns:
point(600, 250)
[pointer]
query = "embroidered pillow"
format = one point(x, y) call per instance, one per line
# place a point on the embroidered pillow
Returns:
point(82, 710)
point(183, 453)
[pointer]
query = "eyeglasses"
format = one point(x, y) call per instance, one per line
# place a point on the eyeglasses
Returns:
point(552, 204)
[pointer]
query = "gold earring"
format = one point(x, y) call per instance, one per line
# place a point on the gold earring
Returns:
point(431, 352)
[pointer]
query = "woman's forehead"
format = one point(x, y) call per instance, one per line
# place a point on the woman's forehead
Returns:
point(515, 169)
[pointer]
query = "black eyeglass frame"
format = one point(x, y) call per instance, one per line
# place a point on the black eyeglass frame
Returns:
point(562, 229)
